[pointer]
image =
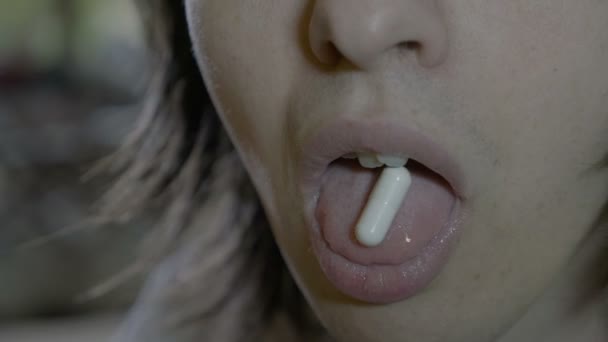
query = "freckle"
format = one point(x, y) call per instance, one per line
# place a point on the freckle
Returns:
point(477, 276)
point(555, 69)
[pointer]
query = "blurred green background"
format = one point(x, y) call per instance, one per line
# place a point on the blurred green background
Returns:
point(72, 74)
point(91, 39)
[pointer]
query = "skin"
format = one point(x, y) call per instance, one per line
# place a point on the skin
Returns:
point(515, 91)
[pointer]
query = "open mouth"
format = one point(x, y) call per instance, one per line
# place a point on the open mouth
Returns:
point(345, 190)
point(420, 234)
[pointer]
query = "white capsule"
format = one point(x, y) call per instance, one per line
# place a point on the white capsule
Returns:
point(368, 160)
point(391, 161)
point(382, 206)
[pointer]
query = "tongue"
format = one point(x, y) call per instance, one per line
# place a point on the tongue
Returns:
point(344, 192)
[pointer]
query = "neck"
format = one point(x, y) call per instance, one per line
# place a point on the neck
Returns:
point(575, 307)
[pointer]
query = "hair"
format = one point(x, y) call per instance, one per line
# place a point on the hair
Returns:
point(215, 270)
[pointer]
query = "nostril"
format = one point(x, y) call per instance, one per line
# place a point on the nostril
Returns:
point(410, 45)
point(328, 53)
point(360, 33)
point(423, 52)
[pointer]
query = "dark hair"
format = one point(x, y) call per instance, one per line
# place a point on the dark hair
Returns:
point(217, 274)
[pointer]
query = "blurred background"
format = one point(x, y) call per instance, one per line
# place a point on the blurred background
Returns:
point(72, 73)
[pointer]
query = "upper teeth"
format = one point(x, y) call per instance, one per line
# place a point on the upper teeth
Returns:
point(391, 161)
point(373, 160)
point(369, 160)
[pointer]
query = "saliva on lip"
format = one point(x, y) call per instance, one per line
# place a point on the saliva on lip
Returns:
point(385, 199)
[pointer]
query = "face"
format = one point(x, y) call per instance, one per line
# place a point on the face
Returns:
point(501, 106)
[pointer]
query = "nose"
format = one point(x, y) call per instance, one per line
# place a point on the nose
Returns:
point(364, 30)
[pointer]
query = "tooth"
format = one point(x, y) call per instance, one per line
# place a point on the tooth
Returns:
point(382, 206)
point(368, 160)
point(391, 161)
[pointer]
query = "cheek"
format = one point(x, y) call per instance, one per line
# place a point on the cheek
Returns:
point(247, 79)
point(540, 93)
point(534, 79)
point(249, 82)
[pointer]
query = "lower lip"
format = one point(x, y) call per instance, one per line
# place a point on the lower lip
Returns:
point(381, 284)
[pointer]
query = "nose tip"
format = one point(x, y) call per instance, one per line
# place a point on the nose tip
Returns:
point(363, 30)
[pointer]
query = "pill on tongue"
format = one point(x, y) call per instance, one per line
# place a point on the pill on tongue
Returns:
point(382, 206)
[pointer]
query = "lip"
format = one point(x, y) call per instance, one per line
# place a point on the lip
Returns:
point(379, 283)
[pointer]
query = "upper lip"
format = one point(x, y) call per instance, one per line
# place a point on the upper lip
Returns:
point(375, 135)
